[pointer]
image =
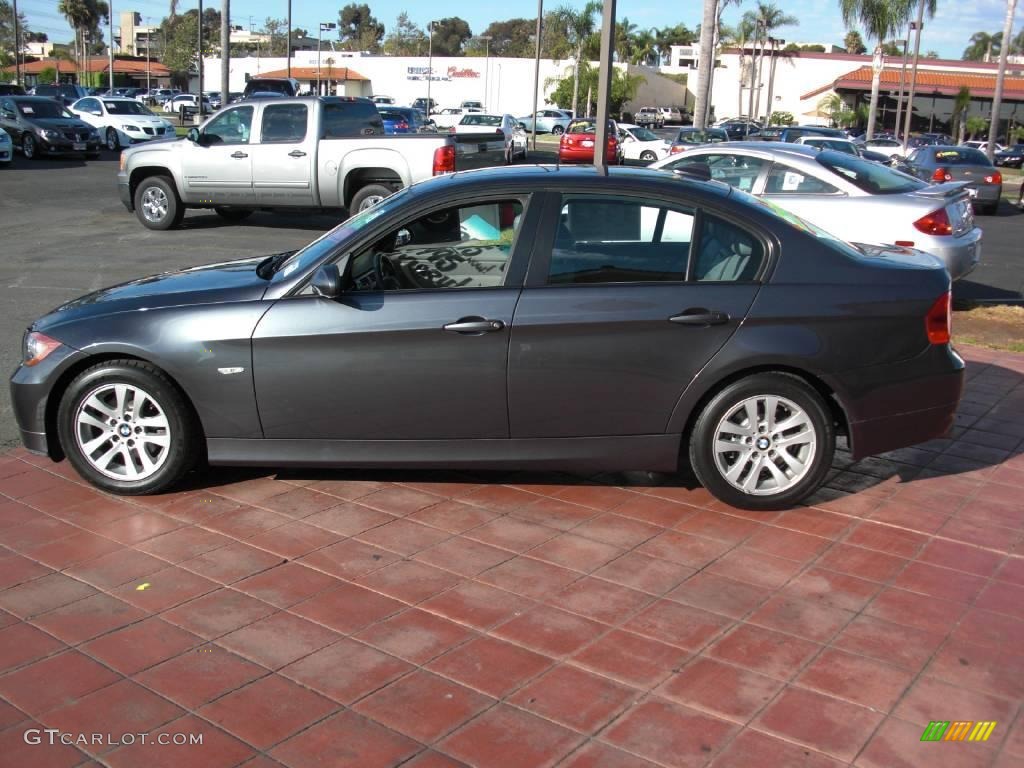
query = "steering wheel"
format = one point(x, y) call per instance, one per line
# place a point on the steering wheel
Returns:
point(385, 273)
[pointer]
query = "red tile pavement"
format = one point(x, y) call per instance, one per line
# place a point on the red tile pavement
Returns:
point(431, 619)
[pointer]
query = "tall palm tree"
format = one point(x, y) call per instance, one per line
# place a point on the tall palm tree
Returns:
point(766, 18)
point(706, 63)
point(625, 39)
point(644, 47)
point(881, 19)
point(579, 26)
point(997, 98)
point(740, 37)
point(982, 45)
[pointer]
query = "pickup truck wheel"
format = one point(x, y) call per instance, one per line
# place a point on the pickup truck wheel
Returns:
point(233, 214)
point(113, 142)
point(367, 197)
point(157, 205)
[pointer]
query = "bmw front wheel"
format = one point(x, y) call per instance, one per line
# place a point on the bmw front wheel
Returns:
point(126, 428)
point(763, 442)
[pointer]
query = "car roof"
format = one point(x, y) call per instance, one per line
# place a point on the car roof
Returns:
point(774, 147)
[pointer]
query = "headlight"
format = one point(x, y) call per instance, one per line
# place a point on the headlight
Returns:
point(130, 127)
point(93, 133)
point(51, 135)
point(36, 347)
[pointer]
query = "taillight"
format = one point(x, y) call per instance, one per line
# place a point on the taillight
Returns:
point(934, 223)
point(402, 126)
point(939, 320)
point(994, 178)
point(675, 149)
point(941, 175)
point(444, 160)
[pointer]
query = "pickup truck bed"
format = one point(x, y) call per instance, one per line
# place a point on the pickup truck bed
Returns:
point(322, 153)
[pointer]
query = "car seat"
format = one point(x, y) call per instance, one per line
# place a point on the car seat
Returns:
point(726, 254)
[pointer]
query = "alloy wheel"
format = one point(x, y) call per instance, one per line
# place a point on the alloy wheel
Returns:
point(112, 141)
point(28, 147)
point(370, 201)
point(123, 432)
point(764, 445)
point(154, 204)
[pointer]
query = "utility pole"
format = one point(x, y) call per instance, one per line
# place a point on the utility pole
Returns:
point(110, 46)
point(604, 87)
point(997, 99)
point(536, 73)
point(200, 60)
point(917, 26)
point(430, 62)
point(17, 46)
point(225, 51)
point(903, 77)
point(289, 35)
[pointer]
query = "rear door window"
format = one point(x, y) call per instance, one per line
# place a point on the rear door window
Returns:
point(786, 180)
point(740, 171)
point(620, 240)
point(349, 119)
point(283, 124)
point(727, 253)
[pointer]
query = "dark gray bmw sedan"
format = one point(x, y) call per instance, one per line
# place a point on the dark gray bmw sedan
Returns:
point(526, 317)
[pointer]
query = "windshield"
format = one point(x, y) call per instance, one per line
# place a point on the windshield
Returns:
point(702, 137)
point(126, 108)
point(481, 120)
point(327, 243)
point(867, 176)
point(836, 144)
point(961, 156)
point(44, 108)
point(644, 134)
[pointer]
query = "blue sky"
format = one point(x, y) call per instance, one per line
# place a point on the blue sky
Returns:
point(820, 21)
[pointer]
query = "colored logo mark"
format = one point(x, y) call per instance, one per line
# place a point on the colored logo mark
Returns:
point(958, 730)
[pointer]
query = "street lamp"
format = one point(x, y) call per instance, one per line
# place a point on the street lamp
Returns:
point(903, 75)
point(916, 26)
point(430, 62)
point(487, 61)
point(536, 74)
point(328, 25)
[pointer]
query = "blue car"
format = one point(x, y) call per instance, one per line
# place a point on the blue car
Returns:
point(400, 119)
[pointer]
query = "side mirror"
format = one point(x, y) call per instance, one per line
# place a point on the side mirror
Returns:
point(403, 237)
point(193, 135)
point(327, 281)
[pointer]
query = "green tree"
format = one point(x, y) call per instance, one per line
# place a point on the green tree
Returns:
point(358, 29)
point(624, 86)
point(961, 103)
point(853, 42)
point(625, 32)
point(276, 31)
point(7, 32)
point(766, 18)
point(881, 19)
point(982, 46)
point(930, 54)
point(891, 49)
point(450, 36)
point(181, 45)
point(513, 37)
point(579, 26)
point(405, 38)
point(666, 37)
point(976, 124)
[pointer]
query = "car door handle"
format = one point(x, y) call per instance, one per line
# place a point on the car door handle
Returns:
point(296, 153)
point(700, 316)
point(239, 155)
point(474, 326)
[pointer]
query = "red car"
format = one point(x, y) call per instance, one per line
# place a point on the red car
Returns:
point(577, 143)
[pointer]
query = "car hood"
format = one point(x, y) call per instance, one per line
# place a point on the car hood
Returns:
point(58, 122)
point(230, 281)
point(139, 120)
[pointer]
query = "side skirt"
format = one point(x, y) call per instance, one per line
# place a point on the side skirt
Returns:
point(659, 453)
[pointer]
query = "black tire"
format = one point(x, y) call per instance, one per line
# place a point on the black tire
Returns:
point(185, 439)
point(368, 196)
point(174, 211)
point(990, 209)
point(92, 155)
point(113, 140)
point(703, 440)
point(648, 156)
point(557, 130)
point(233, 214)
point(28, 147)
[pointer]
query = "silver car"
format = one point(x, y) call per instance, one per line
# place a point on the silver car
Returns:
point(548, 121)
point(854, 199)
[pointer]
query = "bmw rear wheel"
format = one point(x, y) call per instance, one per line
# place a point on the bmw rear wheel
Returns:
point(763, 442)
point(126, 428)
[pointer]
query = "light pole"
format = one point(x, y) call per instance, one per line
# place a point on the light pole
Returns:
point(110, 46)
point(903, 76)
point(17, 46)
point(604, 87)
point(917, 26)
point(288, 35)
point(487, 61)
point(536, 73)
point(430, 61)
point(200, 66)
point(319, 41)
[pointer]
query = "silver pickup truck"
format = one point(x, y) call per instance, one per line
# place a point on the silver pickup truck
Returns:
point(316, 153)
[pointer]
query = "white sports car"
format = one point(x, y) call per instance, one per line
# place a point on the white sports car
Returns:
point(642, 143)
point(122, 122)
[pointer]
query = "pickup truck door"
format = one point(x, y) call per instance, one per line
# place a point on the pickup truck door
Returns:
point(217, 169)
point(284, 158)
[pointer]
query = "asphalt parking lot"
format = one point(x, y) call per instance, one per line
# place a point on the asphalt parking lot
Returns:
point(65, 233)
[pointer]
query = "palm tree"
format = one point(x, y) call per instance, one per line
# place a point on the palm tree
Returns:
point(997, 98)
point(625, 32)
point(766, 18)
point(644, 47)
point(982, 45)
point(881, 20)
point(706, 63)
point(579, 26)
point(961, 103)
point(740, 36)
point(975, 124)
